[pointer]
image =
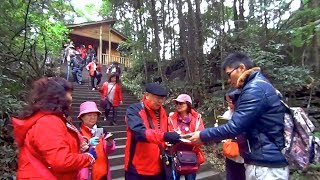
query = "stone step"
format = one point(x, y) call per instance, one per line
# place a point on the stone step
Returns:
point(84, 93)
point(205, 172)
point(94, 94)
point(76, 105)
point(119, 122)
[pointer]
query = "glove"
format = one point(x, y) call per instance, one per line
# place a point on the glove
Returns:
point(171, 137)
point(94, 141)
point(92, 153)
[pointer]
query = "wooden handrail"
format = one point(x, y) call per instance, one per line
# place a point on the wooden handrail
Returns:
point(122, 60)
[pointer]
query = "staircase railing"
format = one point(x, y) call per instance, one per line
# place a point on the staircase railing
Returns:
point(106, 60)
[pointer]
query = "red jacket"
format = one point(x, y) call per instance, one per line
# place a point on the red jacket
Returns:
point(90, 67)
point(52, 142)
point(117, 94)
point(196, 124)
point(142, 141)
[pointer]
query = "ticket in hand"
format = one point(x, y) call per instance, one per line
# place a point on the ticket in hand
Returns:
point(186, 136)
point(185, 140)
point(109, 135)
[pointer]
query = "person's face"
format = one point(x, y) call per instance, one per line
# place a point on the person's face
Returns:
point(233, 74)
point(69, 99)
point(90, 119)
point(155, 101)
point(181, 107)
point(113, 79)
point(229, 103)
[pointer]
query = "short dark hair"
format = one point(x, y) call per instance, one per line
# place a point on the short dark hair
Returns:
point(233, 60)
point(114, 75)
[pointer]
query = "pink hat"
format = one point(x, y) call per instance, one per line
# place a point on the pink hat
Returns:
point(183, 98)
point(88, 107)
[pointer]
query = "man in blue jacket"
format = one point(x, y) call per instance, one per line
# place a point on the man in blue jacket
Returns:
point(258, 118)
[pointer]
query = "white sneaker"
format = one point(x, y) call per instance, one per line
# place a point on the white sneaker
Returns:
point(104, 119)
point(93, 89)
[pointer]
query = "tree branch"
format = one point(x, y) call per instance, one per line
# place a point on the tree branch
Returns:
point(25, 26)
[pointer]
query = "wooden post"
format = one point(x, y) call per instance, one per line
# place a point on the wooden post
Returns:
point(109, 43)
point(100, 45)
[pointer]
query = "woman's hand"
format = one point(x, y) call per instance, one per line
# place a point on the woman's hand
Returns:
point(94, 141)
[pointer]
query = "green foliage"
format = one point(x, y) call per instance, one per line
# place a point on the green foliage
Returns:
point(133, 82)
point(9, 105)
point(105, 8)
point(304, 23)
point(284, 76)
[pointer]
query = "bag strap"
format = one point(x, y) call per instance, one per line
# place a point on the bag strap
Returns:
point(110, 89)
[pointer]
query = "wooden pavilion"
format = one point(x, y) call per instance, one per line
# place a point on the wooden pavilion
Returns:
point(103, 37)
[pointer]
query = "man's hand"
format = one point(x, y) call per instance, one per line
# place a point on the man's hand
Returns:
point(195, 138)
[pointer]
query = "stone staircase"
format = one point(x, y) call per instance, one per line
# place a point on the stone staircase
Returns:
point(84, 93)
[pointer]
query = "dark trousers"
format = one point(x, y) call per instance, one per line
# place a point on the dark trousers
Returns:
point(96, 76)
point(133, 176)
point(234, 170)
point(114, 113)
point(188, 177)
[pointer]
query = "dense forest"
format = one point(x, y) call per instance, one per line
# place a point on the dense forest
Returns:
point(183, 42)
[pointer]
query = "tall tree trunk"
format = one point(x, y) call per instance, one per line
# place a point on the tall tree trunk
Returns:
point(200, 55)
point(182, 39)
point(221, 34)
point(164, 29)
point(315, 42)
point(193, 45)
point(235, 16)
point(241, 14)
point(157, 47)
point(141, 37)
point(265, 24)
point(251, 9)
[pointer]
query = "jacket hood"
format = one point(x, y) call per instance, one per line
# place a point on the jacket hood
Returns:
point(22, 126)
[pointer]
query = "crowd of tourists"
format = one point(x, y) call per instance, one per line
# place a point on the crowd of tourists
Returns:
point(80, 58)
point(159, 145)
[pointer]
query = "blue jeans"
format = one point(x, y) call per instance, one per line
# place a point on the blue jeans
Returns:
point(188, 177)
point(77, 75)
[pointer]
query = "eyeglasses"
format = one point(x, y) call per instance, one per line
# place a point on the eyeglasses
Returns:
point(229, 73)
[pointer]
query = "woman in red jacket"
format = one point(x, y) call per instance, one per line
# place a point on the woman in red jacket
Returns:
point(49, 145)
point(105, 144)
point(186, 120)
point(94, 69)
point(111, 97)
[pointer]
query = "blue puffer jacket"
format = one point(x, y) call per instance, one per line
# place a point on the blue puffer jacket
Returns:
point(259, 115)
